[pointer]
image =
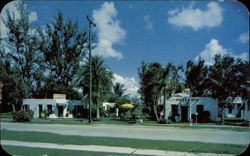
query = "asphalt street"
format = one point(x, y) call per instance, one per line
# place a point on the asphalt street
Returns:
point(139, 132)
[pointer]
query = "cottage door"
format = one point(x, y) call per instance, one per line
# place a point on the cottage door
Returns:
point(184, 113)
point(60, 111)
point(40, 109)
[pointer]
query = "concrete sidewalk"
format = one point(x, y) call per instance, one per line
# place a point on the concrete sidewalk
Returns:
point(110, 149)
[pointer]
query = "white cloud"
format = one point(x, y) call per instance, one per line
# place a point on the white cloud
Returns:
point(244, 38)
point(149, 22)
point(13, 10)
point(109, 31)
point(173, 12)
point(197, 18)
point(214, 48)
point(130, 84)
point(33, 16)
point(130, 6)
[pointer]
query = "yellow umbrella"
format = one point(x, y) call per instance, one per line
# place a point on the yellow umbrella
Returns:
point(127, 105)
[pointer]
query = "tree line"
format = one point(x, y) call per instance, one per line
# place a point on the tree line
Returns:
point(35, 63)
point(226, 79)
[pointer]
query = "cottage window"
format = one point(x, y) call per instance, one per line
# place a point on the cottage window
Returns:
point(230, 109)
point(199, 108)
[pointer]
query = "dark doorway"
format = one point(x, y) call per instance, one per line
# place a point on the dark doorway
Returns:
point(184, 113)
point(239, 108)
point(40, 109)
point(60, 111)
point(49, 108)
point(78, 111)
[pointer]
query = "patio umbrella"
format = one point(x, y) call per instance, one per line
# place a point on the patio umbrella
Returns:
point(127, 105)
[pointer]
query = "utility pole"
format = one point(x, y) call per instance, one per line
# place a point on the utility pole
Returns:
point(90, 71)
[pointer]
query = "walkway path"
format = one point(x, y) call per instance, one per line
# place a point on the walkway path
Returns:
point(110, 149)
point(139, 132)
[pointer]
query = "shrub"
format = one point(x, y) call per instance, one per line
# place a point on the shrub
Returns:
point(102, 111)
point(173, 116)
point(165, 121)
point(22, 116)
point(137, 113)
point(127, 115)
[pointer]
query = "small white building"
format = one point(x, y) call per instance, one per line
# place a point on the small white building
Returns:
point(239, 109)
point(108, 105)
point(184, 107)
point(58, 107)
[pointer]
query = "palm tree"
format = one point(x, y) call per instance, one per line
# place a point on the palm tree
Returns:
point(119, 89)
point(101, 80)
point(155, 82)
point(169, 83)
point(119, 94)
point(195, 77)
point(153, 85)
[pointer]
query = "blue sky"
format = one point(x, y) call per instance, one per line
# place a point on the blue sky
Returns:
point(130, 32)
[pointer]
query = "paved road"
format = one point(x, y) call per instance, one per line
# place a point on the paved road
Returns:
point(112, 149)
point(140, 132)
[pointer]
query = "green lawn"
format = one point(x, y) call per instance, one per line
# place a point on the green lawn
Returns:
point(6, 117)
point(71, 121)
point(122, 142)
point(27, 151)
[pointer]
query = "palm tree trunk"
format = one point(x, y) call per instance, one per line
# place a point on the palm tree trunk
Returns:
point(98, 108)
point(155, 111)
point(164, 103)
point(222, 116)
point(13, 108)
point(98, 112)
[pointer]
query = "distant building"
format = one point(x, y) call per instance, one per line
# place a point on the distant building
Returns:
point(108, 105)
point(239, 109)
point(58, 107)
point(183, 107)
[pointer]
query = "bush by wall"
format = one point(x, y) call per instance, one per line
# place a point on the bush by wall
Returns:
point(165, 121)
point(22, 116)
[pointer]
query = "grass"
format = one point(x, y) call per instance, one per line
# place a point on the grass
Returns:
point(27, 151)
point(78, 121)
point(71, 121)
point(6, 117)
point(123, 142)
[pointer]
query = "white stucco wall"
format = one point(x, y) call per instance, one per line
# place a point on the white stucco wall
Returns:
point(210, 105)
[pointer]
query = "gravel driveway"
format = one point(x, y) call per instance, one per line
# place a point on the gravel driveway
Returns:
point(140, 132)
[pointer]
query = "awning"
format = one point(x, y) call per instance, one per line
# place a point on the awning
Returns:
point(61, 104)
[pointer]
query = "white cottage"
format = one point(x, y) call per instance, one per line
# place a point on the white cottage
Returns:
point(58, 107)
point(239, 109)
point(183, 107)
